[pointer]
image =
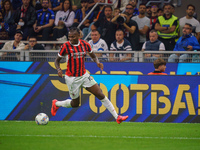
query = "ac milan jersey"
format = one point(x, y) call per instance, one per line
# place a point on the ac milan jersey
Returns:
point(75, 57)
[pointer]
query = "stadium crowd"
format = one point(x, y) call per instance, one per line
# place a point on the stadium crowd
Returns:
point(121, 27)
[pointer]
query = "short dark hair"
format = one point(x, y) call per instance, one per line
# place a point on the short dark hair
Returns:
point(160, 9)
point(31, 37)
point(108, 6)
point(190, 5)
point(189, 25)
point(158, 62)
point(120, 30)
point(129, 5)
point(167, 5)
point(142, 4)
point(95, 30)
point(75, 29)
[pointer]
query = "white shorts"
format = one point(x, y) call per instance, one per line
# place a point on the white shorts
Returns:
point(75, 83)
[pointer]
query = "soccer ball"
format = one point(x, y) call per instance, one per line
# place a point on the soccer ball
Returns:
point(41, 119)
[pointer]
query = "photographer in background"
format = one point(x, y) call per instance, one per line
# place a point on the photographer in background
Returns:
point(129, 27)
point(106, 28)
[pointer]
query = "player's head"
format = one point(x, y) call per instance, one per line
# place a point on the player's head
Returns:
point(160, 64)
point(153, 35)
point(95, 36)
point(119, 35)
point(74, 35)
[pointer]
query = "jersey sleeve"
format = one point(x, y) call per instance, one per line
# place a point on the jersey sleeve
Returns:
point(62, 52)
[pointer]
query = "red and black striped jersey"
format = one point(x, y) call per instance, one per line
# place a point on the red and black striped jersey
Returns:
point(75, 57)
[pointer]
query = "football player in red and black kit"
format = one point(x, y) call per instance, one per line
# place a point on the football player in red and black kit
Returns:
point(76, 76)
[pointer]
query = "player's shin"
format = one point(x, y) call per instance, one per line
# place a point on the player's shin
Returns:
point(109, 106)
point(66, 103)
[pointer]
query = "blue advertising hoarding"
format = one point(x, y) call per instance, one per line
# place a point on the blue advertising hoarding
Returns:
point(27, 91)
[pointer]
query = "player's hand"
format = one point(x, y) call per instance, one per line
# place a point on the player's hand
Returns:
point(60, 73)
point(100, 65)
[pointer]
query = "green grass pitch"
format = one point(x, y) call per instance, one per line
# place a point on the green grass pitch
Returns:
point(72, 135)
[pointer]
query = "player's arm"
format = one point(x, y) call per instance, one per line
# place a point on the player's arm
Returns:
point(57, 64)
point(95, 59)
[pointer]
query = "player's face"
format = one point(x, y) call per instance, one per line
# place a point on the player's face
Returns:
point(119, 36)
point(18, 37)
point(95, 36)
point(73, 37)
point(153, 36)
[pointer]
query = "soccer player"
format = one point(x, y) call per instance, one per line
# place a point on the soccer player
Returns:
point(76, 76)
point(160, 66)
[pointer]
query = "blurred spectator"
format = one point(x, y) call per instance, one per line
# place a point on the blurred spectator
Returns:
point(3, 25)
point(167, 27)
point(154, 16)
point(160, 12)
point(16, 4)
point(187, 42)
point(99, 13)
point(153, 45)
point(81, 14)
point(64, 20)
point(3, 36)
point(37, 4)
point(129, 27)
point(32, 44)
point(143, 24)
point(134, 3)
point(56, 5)
point(98, 44)
point(172, 9)
point(148, 11)
point(160, 66)
point(191, 20)
point(8, 17)
point(121, 4)
point(120, 44)
point(44, 22)
point(106, 28)
point(25, 17)
point(116, 12)
point(76, 4)
point(15, 44)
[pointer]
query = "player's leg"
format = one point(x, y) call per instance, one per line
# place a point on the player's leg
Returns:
point(74, 90)
point(95, 89)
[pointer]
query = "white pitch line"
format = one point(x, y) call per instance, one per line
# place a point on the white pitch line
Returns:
point(96, 136)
